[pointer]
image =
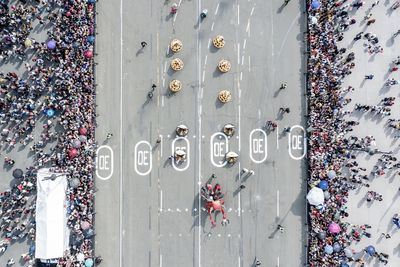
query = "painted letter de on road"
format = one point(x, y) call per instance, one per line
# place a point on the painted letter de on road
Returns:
point(104, 162)
point(297, 142)
point(143, 158)
point(219, 146)
point(258, 150)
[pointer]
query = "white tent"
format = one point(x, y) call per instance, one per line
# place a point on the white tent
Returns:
point(315, 196)
point(52, 234)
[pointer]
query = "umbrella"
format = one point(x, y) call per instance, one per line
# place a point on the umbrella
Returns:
point(72, 153)
point(82, 138)
point(51, 44)
point(80, 257)
point(85, 225)
point(90, 39)
point(327, 195)
point(323, 184)
point(74, 183)
point(331, 174)
point(328, 249)
point(88, 233)
point(68, 14)
point(88, 54)
point(17, 173)
point(314, 20)
point(315, 4)
point(337, 247)
point(348, 252)
point(231, 155)
point(50, 112)
point(344, 264)
point(370, 250)
point(88, 263)
point(334, 228)
point(82, 131)
point(76, 143)
point(321, 235)
point(28, 43)
point(315, 196)
point(91, 1)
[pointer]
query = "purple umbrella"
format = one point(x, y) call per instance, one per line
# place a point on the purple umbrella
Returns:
point(51, 44)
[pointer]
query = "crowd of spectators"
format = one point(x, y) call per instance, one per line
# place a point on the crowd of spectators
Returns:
point(50, 108)
point(333, 165)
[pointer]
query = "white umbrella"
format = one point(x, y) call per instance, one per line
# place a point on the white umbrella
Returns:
point(331, 174)
point(315, 196)
point(314, 20)
point(80, 257)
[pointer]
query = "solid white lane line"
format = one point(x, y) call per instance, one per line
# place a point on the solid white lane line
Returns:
point(238, 15)
point(161, 201)
point(249, 65)
point(240, 143)
point(239, 208)
point(199, 127)
point(160, 260)
point(120, 135)
point(238, 53)
point(239, 261)
point(277, 261)
point(277, 203)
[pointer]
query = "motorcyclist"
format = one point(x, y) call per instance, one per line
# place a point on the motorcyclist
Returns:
point(203, 13)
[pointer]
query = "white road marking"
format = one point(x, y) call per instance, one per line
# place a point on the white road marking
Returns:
point(120, 135)
point(199, 143)
point(204, 75)
point(238, 53)
point(137, 160)
point(277, 203)
point(201, 92)
point(252, 10)
point(213, 150)
point(272, 32)
point(297, 142)
point(176, 14)
point(205, 61)
point(239, 261)
point(187, 154)
point(240, 143)
point(238, 15)
point(248, 25)
point(209, 43)
point(277, 261)
point(241, 76)
point(99, 162)
point(249, 65)
point(242, 60)
point(162, 100)
point(165, 66)
point(160, 260)
point(239, 204)
point(244, 44)
point(256, 146)
point(216, 9)
point(259, 114)
point(161, 201)
point(212, 26)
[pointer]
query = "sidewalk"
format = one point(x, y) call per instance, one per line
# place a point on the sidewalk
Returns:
point(378, 214)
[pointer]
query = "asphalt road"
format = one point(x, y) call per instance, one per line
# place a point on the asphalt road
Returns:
point(148, 211)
